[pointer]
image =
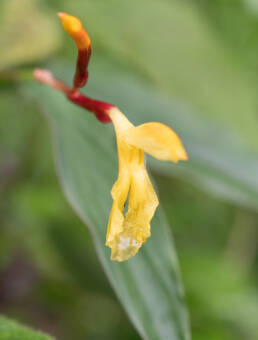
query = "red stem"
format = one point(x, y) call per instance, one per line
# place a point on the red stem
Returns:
point(81, 73)
point(97, 107)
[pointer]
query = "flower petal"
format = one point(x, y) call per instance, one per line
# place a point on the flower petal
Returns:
point(119, 194)
point(158, 140)
point(142, 204)
point(121, 187)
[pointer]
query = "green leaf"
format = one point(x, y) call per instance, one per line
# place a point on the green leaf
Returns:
point(148, 285)
point(10, 330)
point(23, 25)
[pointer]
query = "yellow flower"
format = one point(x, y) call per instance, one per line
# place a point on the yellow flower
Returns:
point(134, 199)
point(128, 231)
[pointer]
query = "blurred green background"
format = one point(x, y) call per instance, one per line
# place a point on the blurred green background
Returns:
point(201, 55)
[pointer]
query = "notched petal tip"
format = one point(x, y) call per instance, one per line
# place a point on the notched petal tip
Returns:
point(124, 249)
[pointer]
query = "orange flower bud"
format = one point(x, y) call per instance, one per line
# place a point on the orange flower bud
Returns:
point(74, 28)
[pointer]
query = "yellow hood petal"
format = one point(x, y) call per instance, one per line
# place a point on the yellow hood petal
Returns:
point(158, 140)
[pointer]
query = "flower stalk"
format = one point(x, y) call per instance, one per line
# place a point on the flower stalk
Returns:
point(97, 107)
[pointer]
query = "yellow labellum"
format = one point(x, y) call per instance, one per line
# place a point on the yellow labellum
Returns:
point(128, 231)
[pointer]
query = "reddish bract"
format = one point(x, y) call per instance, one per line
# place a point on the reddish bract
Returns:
point(98, 107)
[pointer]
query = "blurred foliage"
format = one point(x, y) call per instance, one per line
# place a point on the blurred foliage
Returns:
point(10, 330)
point(203, 55)
point(21, 40)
